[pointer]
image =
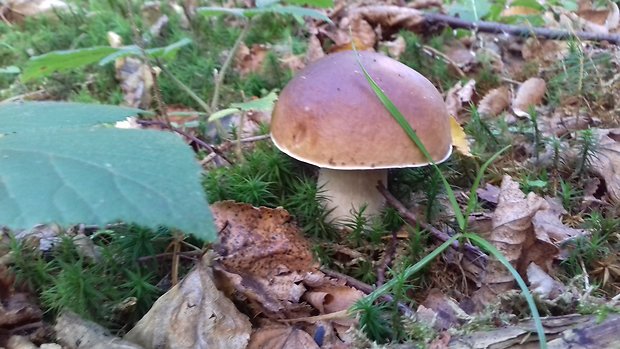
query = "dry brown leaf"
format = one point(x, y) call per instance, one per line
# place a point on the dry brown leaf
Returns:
point(259, 241)
point(519, 11)
point(315, 49)
point(250, 60)
point(542, 284)
point(20, 342)
point(394, 48)
point(17, 10)
point(193, 314)
point(355, 28)
point(449, 314)
point(495, 101)
point(512, 234)
point(547, 223)
point(74, 332)
point(459, 95)
point(488, 193)
point(281, 337)
point(543, 50)
point(599, 21)
point(331, 299)
point(607, 164)
point(530, 93)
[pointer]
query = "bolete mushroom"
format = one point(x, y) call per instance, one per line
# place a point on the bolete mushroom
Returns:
point(328, 116)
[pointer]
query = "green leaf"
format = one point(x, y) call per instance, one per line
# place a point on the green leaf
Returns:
point(59, 61)
point(222, 114)
point(77, 172)
point(470, 10)
point(276, 8)
point(261, 104)
point(10, 70)
point(533, 4)
point(473, 196)
point(313, 3)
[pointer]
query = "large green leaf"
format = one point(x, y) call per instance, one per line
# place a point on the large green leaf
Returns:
point(41, 116)
point(79, 172)
point(58, 61)
point(251, 12)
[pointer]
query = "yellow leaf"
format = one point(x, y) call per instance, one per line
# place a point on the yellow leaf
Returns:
point(459, 139)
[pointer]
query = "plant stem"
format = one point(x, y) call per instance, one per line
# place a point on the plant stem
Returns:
point(185, 88)
point(219, 78)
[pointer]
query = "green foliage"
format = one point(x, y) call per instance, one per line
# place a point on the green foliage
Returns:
point(95, 289)
point(373, 320)
point(588, 151)
point(79, 171)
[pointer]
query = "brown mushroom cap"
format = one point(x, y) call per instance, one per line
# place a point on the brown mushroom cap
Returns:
point(329, 116)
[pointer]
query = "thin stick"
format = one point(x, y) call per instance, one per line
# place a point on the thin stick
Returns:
point(410, 18)
point(387, 259)
point(471, 252)
point(219, 78)
point(187, 135)
point(366, 288)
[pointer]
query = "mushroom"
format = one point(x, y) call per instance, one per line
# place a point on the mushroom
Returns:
point(328, 116)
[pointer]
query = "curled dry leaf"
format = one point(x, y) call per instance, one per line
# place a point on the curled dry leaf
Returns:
point(512, 235)
point(542, 284)
point(259, 241)
point(394, 48)
point(263, 254)
point(495, 101)
point(354, 30)
point(193, 314)
point(607, 164)
point(76, 333)
point(529, 94)
point(549, 227)
point(281, 337)
point(250, 60)
point(459, 95)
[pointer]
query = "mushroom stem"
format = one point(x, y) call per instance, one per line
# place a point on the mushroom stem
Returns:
point(348, 190)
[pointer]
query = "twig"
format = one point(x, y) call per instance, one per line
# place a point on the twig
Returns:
point(366, 288)
point(410, 18)
point(387, 259)
point(187, 135)
point(471, 252)
point(498, 28)
point(219, 77)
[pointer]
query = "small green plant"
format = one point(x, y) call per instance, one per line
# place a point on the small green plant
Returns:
point(588, 151)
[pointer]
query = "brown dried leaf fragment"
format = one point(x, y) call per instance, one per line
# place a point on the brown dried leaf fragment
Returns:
point(193, 314)
point(607, 164)
point(459, 95)
point(529, 94)
point(494, 102)
point(250, 59)
point(281, 337)
point(259, 241)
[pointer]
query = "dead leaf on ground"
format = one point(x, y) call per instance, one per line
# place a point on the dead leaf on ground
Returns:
point(459, 95)
point(250, 60)
point(281, 337)
point(134, 76)
point(76, 333)
point(18, 10)
point(542, 284)
point(314, 50)
point(494, 102)
point(193, 314)
point(529, 94)
point(394, 48)
point(512, 235)
point(607, 163)
point(488, 193)
point(354, 30)
point(598, 20)
point(448, 313)
point(459, 138)
point(547, 222)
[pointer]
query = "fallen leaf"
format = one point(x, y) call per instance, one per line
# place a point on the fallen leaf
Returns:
point(512, 235)
point(449, 314)
point(331, 299)
point(459, 95)
point(281, 337)
point(314, 50)
point(599, 21)
point(519, 11)
point(20, 9)
point(459, 138)
point(489, 193)
point(250, 60)
point(354, 30)
point(607, 165)
point(394, 48)
point(74, 332)
point(548, 222)
point(193, 314)
point(542, 284)
point(259, 241)
point(495, 101)
point(529, 94)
